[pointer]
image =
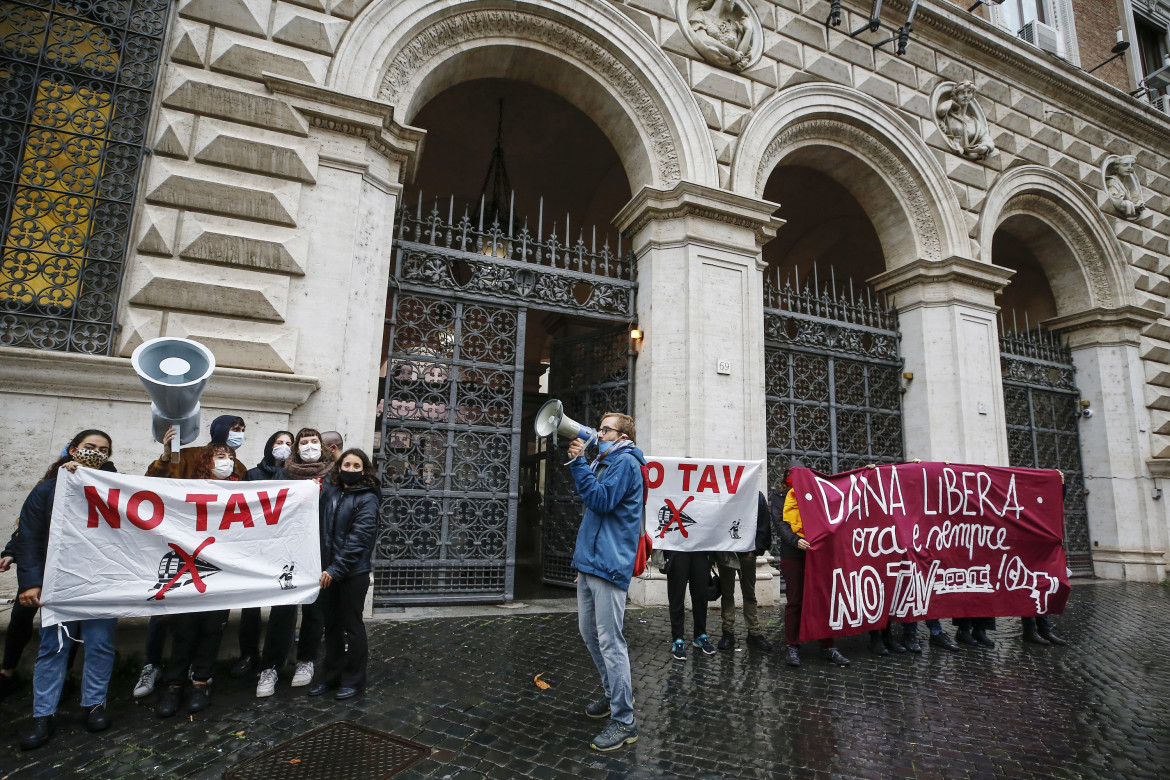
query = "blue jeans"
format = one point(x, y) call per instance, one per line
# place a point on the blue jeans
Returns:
point(601, 611)
point(53, 659)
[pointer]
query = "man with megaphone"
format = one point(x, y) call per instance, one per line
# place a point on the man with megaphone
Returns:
point(611, 488)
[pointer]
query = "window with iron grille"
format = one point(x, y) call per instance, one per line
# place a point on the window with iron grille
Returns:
point(76, 83)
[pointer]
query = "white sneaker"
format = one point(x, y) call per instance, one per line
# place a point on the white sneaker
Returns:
point(304, 674)
point(267, 684)
point(146, 681)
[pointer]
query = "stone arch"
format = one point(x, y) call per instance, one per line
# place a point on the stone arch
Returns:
point(589, 53)
point(1096, 278)
point(861, 143)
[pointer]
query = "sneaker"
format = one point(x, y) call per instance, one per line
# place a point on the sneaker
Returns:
point(168, 703)
point(598, 708)
point(704, 644)
point(267, 684)
point(679, 650)
point(303, 675)
point(759, 642)
point(147, 681)
point(727, 643)
point(614, 736)
point(200, 697)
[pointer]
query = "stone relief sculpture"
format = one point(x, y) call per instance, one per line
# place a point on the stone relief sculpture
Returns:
point(1123, 187)
point(961, 120)
point(726, 33)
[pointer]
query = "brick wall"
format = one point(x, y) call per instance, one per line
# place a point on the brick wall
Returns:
point(1097, 22)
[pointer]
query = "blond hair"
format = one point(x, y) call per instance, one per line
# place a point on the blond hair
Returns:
point(625, 424)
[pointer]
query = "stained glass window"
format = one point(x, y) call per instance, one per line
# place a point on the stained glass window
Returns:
point(76, 80)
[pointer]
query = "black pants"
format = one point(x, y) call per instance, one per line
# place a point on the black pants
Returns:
point(282, 625)
point(195, 644)
point(312, 624)
point(346, 650)
point(20, 631)
point(688, 569)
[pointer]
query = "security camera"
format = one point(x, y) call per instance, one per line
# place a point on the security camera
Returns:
point(1087, 412)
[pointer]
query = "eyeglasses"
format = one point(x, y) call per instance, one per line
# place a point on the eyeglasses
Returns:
point(606, 429)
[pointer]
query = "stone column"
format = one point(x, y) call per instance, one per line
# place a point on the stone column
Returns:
point(699, 381)
point(953, 402)
point(1127, 516)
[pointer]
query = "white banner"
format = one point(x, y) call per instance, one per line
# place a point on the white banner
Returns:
point(124, 546)
point(699, 505)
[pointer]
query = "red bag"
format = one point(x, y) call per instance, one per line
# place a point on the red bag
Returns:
point(645, 544)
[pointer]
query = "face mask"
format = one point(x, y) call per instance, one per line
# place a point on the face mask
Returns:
point(310, 453)
point(605, 446)
point(235, 439)
point(223, 468)
point(281, 452)
point(91, 458)
point(350, 478)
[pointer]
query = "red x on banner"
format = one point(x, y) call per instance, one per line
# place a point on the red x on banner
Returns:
point(188, 566)
point(675, 514)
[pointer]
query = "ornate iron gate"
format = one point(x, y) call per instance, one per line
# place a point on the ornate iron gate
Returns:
point(1042, 408)
point(591, 375)
point(453, 400)
point(832, 377)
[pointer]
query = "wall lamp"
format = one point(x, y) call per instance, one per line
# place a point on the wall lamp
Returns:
point(1119, 48)
point(978, 3)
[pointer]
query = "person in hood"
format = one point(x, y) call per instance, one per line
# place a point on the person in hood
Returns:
point(611, 488)
point(282, 618)
point(350, 505)
point(227, 429)
point(30, 548)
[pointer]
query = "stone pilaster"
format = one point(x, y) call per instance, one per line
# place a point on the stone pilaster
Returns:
point(1127, 517)
point(953, 389)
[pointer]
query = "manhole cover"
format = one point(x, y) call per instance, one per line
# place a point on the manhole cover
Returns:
point(338, 751)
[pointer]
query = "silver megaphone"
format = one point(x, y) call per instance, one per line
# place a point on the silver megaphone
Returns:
point(552, 420)
point(174, 372)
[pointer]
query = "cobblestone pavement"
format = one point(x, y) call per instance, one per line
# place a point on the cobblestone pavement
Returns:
point(464, 686)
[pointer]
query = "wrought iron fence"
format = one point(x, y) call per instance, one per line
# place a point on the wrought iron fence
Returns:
point(1042, 411)
point(832, 375)
point(76, 83)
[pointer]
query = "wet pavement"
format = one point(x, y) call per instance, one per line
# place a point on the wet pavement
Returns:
point(464, 687)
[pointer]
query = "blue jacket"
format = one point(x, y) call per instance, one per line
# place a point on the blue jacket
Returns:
point(607, 541)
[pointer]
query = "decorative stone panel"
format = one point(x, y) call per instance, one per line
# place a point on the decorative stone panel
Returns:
point(181, 285)
point(243, 244)
point(218, 191)
point(190, 46)
point(239, 344)
point(173, 135)
point(307, 30)
point(156, 231)
point(247, 57)
point(249, 16)
point(251, 149)
point(224, 97)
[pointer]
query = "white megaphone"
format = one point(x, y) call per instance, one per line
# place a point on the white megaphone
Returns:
point(174, 373)
point(552, 420)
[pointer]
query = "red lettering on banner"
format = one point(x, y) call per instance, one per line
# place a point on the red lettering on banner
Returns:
point(686, 469)
point(201, 500)
point(108, 509)
point(133, 515)
point(272, 511)
point(732, 484)
point(707, 481)
point(237, 512)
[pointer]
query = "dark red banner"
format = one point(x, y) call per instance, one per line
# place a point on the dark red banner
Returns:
point(929, 540)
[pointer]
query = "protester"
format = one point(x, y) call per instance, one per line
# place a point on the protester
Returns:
point(792, 549)
point(938, 637)
point(225, 429)
point(688, 571)
point(611, 488)
point(282, 619)
point(1038, 631)
point(745, 564)
point(196, 636)
point(88, 449)
point(309, 461)
point(350, 507)
point(332, 441)
point(973, 631)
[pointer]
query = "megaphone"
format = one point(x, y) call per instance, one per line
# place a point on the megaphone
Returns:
point(552, 420)
point(174, 373)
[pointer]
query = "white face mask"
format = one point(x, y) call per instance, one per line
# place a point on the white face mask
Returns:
point(310, 453)
point(281, 452)
point(223, 468)
point(235, 440)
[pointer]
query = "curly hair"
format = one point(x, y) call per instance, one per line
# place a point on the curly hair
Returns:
point(369, 479)
point(206, 462)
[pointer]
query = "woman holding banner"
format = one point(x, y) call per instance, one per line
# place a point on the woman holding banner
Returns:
point(88, 449)
point(792, 548)
point(350, 507)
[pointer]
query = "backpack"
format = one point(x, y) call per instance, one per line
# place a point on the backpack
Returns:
point(645, 544)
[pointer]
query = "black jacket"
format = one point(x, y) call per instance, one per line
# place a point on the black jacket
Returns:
point(263, 471)
point(763, 526)
point(788, 537)
point(349, 527)
point(30, 542)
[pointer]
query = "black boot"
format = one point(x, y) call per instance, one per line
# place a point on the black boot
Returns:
point(910, 639)
point(1051, 637)
point(833, 656)
point(963, 637)
point(244, 667)
point(890, 637)
point(982, 639)
point(727, 643)
point(759, 642)
point(200, 697)
point(943, 639)
point(40, 732)
point(168, 702)
point(876, 645)
point(792, 657)
point(1030, 634)
point(97, 718)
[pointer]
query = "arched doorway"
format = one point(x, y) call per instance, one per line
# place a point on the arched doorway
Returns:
point(509, 287)
point(1041, 401)
point(832, 367)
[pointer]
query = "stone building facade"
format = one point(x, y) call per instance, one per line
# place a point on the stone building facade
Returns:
point(754, 143)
